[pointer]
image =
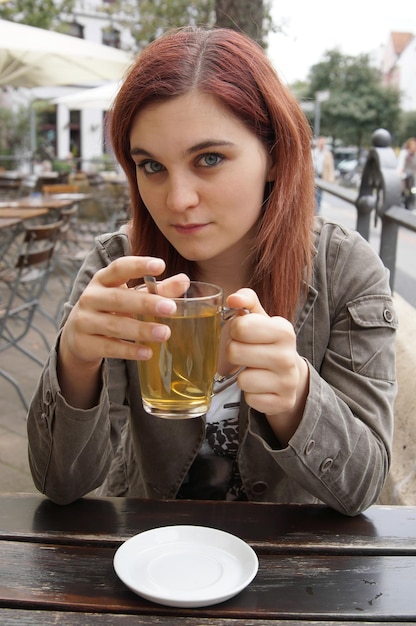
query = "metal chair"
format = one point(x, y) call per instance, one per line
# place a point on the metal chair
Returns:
point(70, 252)
point(22, 287)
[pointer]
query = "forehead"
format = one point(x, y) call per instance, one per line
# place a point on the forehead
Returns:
point(191, 110)
point(178, 127)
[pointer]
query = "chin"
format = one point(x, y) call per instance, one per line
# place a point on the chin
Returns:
point(194, 255)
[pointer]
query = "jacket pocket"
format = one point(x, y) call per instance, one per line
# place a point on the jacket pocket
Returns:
point(373, 322)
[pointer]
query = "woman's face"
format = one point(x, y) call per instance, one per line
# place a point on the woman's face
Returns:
point(201, 175)
point(412, 146)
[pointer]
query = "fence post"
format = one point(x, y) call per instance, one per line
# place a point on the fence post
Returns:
point(388, 246)
point(380, 189)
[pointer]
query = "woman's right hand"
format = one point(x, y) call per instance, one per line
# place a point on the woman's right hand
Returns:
point(103, 324)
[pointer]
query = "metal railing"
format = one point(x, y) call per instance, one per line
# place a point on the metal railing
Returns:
point(379, 197)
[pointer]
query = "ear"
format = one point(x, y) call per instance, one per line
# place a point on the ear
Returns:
point(271, 171)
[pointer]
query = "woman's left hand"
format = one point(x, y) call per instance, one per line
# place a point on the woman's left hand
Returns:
point(275, 380)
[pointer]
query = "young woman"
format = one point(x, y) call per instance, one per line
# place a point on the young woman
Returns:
point(217, 154)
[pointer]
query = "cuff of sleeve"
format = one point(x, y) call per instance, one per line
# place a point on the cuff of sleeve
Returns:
point(52, 395)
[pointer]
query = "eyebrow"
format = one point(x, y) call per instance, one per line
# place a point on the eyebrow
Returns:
point(203, 145)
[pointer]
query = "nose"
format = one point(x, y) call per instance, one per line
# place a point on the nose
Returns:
point(182, 193)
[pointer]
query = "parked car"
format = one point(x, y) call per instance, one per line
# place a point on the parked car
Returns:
point(346, 166)
point(350, 169)
point(344, 153)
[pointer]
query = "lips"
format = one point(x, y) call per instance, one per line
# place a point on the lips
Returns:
point(188, 228)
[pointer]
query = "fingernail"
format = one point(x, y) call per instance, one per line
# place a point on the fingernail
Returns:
point(155, 265)
point(144, 354)
point(160, 332)
point(165, 307)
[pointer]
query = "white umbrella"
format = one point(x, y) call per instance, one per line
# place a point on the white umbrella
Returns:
point(32, 57)
point(94, 98)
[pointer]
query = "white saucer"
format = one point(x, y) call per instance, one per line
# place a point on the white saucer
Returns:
point(186, 566)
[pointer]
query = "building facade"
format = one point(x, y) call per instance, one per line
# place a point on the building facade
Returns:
point(81, 133)
point(399, 67)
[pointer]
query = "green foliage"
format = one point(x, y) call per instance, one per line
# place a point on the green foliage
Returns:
point(358, 103)
point(407, 127)
point(40, 13)
point(301, 90)
point(148, 19)
point(14, 130)
point(103, 163)
point(61, 167)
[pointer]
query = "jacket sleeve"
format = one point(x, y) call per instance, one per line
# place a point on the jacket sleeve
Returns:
point(70, 450)
point(341, 451)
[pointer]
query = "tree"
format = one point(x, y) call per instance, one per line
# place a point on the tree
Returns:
point(250, 16)
point(148, 19)
point(358, 103)
point(40, 13)
point(407, 127)
point(14, 130)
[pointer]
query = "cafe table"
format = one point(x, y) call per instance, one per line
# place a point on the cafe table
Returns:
point(316, 566)
point(17, 215)
point(46, 201)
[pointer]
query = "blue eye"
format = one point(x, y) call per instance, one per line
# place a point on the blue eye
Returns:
point(210, 159)
point(150, 167)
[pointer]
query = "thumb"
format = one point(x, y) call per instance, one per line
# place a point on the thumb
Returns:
point(247, 299)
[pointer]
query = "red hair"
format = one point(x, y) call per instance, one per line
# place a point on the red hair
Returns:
point(234, 69)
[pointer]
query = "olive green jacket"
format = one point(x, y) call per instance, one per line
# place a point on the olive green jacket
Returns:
point(340, 453)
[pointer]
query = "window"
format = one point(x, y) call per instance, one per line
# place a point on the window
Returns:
point(74, 29)
point(111, 37)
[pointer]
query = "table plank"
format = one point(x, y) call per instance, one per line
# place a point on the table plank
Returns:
point(22, 617)
point(46, 201)
point(23, 213)
point(82, 578)
point(53, 200)
point(269, 528)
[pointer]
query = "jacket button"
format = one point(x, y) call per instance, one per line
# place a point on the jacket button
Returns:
point(326, 465)
point(259, 488)
point(388, 315)
point(48, 397)
point(310, 446)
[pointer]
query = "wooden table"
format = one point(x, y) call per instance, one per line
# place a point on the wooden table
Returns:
point(22, 214)
point(315, 565)
point(46, 201)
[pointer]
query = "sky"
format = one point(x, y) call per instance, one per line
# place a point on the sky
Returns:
point(311, 27)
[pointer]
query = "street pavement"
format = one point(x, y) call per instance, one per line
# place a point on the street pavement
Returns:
point(14, 469)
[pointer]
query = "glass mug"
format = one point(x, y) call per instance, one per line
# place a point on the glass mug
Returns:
point(180, 378)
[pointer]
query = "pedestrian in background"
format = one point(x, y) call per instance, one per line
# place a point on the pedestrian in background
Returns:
point(407, 169)
point(323, 163)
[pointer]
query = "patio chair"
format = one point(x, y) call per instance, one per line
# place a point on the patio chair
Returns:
point(22, 287)
point(70, 251)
